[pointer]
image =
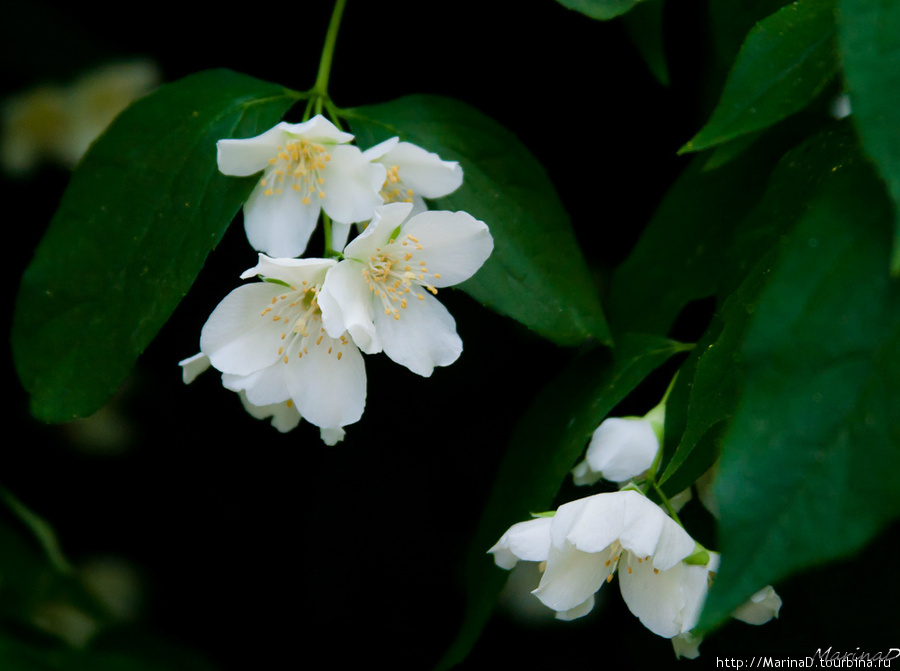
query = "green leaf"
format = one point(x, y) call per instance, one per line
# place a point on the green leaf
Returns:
point(544, 447)
point(645, 26)
point(600, 9)
point(686, 239)
point(537, 274)
point(786, 60)
point(135, 224)
point(808, 467)
point(869, 35)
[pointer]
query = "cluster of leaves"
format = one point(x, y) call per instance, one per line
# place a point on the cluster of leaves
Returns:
point(785, 218)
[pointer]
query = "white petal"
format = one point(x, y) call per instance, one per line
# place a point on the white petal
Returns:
point(339, 234)
point(293, 272)
point(528, 541)
point(572, 576)
point(264, 387)
point(279, 224)
point(240, 158)
point(424, 171)
point(318, 129)
point(352, 185)
point(329, 392)
point(622, 448)
point(648, 531)
point(193, 366)
point(380, 149)
point(591, 524)
point(237, 338)
point(668, 603)
point(583, 475)
point(454, 244)
point(761, 607)
point(331, 437)
point(384, 222)
point(347, 306)
point(687, 645)
point(423, 337)
point(284, 415)
point(578, 611)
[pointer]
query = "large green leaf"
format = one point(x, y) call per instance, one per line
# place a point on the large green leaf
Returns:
point(786, 60)
point(686, 239)
point(706, 393)
point(808, 467)
point(537, 273)
point(870, 51)
point(134, 227)
point(545, 446)
point(600, 9)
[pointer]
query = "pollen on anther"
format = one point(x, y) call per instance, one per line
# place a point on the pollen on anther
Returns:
point(629, 570)
point(339, 355)
point(290, 403)
point(656, 571)
point(285, 359)
point(609, 577)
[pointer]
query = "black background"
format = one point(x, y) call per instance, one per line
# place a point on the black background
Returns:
point(264, 550)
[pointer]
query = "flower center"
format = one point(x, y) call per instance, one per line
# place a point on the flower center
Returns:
point(297, 166)
point(392, 191)
point(298, 310)
point(396, 271)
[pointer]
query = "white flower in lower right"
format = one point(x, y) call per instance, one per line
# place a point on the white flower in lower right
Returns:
point(664, 580)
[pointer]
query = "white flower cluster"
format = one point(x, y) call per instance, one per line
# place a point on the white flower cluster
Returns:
point(664, 575)
point(291, 344)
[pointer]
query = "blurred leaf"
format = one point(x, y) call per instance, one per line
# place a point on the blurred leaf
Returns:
point(600, 9)
point(808, 467)
point(547, 442)
point(645, 26)
point(135, 224)
point(537, 274)
point(786, 60)
point(870, 50)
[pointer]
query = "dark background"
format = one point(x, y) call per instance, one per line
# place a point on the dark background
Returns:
point(263, 550)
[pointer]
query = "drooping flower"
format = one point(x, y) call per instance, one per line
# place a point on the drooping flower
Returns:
point(621, 448)
point(382, 292)
point(664, 576)
point(268, 341)
point(307, 167)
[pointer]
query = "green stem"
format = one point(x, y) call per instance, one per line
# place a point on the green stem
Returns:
point(41, 530)
point(320, 88)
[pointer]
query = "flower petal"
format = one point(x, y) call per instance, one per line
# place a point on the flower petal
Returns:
point(329, 391)
point(264, 387)
point(193, 366)
point(279, 224)
point(318, 129)
point(237, 338)
point(668, 603)
point(243, 157)
point(622, 448)
point(454, 244)
point(284, 415)
point(347, 306)
point(578, 611)
point(424, 335)
point(424, 171)
point(528, 541)
point(351, 185)
point(760, 608)
point(572, 576)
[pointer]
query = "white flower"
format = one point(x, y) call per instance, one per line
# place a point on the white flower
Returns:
point(412, 174)
point(621, 448)
point(307, 167)
point(268, 341)
point(381, 292)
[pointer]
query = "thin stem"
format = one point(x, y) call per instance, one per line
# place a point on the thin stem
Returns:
point(41, 530)
point(321, 85)
point(326, 228)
